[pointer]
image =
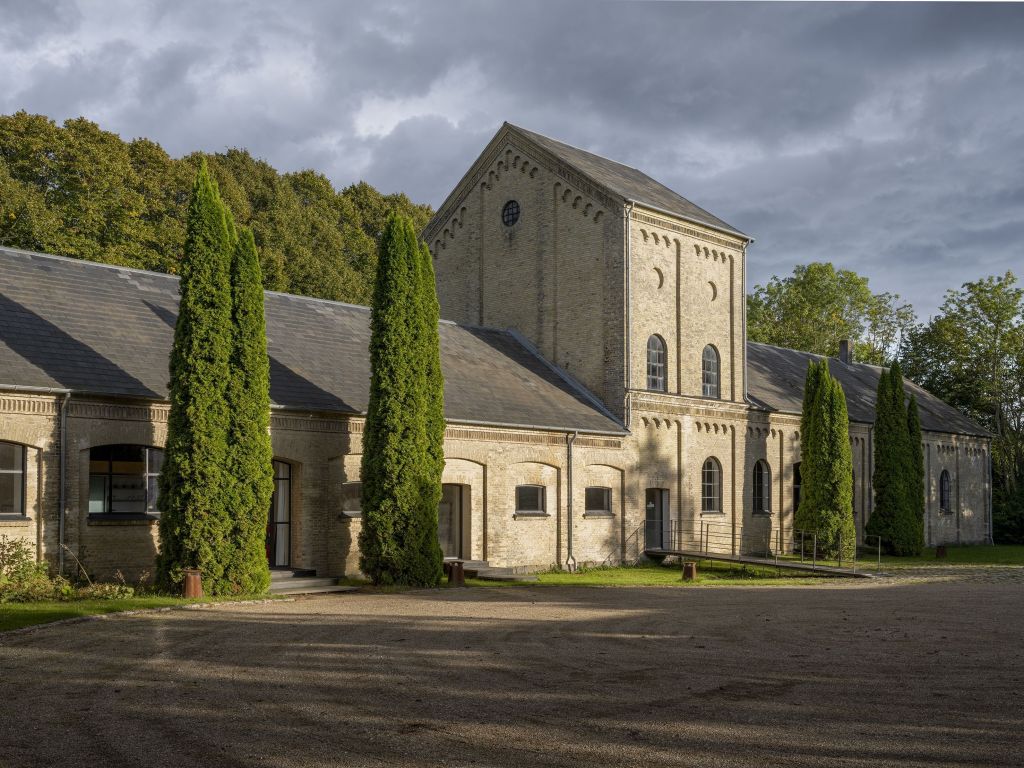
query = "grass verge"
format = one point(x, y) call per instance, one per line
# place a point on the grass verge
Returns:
point(18, 615)
point(973, 554)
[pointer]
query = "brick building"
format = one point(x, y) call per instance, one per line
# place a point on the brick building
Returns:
point(600, 392)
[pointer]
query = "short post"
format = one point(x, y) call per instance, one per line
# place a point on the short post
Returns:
point(193, 584)
point(456, 573)
point(801, 545)
point(940, 552)
point(814, 560)
point(840, 549)
point(689, 570)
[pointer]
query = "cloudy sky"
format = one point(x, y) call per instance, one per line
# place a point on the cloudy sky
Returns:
point(888, 139)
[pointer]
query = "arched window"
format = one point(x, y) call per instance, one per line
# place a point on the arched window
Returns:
point(656, 364)
point(710, 367)
point(945, 492)
point(762, 488)
point(123, 480)
point(12, 479)
point(711, 486)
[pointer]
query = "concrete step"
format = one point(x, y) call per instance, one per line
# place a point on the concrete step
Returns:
point(306, 586)
point(500, 574)
point(289, 574)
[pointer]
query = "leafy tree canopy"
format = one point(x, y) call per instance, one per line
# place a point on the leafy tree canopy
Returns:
point(972, 355)
point(818, 306)
point(77, 190)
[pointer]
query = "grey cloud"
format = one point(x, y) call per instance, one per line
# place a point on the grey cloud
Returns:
point(885, 137)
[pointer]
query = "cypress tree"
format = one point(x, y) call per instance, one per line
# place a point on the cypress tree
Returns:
point(826, 501)
point(423, 551)
point(915, 479)
point(394, 530)
point(194, 521)
point(249, 450)
point(817, 370)
point(885, 480)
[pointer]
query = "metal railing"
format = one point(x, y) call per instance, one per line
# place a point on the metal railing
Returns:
point(711, 537)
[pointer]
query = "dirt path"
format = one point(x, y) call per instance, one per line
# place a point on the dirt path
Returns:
point(855, 675)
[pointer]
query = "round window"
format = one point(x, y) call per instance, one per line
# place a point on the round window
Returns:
point(510, 213)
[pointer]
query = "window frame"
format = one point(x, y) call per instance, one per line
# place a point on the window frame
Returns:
point(523, 511)
point(510, 212)
point(23, 514)
point(704, 373)
point(716, 487)
point(762, 487)
point(945, 490)
point(151, 510)
point(352, 514)
point(653, 379)
point(603, 511)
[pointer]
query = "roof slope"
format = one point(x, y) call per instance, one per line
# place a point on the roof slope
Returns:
point(775, 381)
point(626, 182)
point(107, 330)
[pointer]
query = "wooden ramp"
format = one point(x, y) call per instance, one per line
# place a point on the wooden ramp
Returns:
point(764, 562)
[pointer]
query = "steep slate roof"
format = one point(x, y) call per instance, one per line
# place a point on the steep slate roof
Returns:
point(626, 182)
point(775, 381)
point(95, 328)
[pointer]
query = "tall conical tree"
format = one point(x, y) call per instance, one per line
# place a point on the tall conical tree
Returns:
point(423, 551)
point(395, 453)
point(194, 521)
point(915, 478)
point(885, 481)
point(817, 371)
point(830, 492)
point(250, 455)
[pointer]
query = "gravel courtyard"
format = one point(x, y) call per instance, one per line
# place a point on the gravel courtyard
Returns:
point(900, 672)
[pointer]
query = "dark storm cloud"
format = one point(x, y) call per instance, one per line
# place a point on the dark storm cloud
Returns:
point(887, 138)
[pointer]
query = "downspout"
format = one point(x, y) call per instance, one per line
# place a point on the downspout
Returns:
point(570, 561)
point(991, 533)
point(629, 316)
point(61, 500)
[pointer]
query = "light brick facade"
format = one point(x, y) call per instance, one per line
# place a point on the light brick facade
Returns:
point(587, 278)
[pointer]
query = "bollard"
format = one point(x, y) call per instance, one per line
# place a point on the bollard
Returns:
point(689, 571)
point(456, 573)
point(940, 552)
point(193, 583)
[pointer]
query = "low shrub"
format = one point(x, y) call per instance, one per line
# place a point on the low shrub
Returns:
point(23, 580)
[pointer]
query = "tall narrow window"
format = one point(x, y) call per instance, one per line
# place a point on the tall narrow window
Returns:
point(279, 523)
point(797, 482)
point(945, 492)
point(656, 364)
point(710, 368)
point(123, 480)
point(711, 486)
point(12, 479)
point(762, 488)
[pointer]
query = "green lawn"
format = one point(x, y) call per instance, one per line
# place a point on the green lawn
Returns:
point(652, 575)
point(16, 615)
point(975, 554)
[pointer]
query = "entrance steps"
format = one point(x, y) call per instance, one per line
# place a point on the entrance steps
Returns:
point(299, 582)
point(481, 569)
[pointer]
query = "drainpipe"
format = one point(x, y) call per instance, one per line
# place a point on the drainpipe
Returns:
point(570, 561)
point(629, 314)
point(988, 453)
point(61, 500)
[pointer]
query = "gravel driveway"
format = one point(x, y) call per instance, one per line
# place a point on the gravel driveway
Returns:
point(918, 673)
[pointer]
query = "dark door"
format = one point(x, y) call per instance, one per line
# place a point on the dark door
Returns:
point(279, 520)
point(656, 528)
point(449, 520)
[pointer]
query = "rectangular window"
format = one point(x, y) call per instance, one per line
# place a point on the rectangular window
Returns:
point(598, 501)
point(530, 499)
point(12, 479)
point(352, 499)
point(123, 480)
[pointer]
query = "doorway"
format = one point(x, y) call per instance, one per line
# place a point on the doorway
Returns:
point(279, 519)
point(450, 520)
point(656, 530)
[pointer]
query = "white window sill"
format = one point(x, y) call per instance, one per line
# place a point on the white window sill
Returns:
point(530, 515)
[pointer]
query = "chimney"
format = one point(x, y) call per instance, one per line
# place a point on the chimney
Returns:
point(845, 353)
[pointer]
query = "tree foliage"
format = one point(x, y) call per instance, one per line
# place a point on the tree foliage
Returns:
point(250, 456)
point(195, 524)
point(972, 355)
point(76, 190)
point(897, 516)
point(400, 469)
point(826, 465)
point(818, 306)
